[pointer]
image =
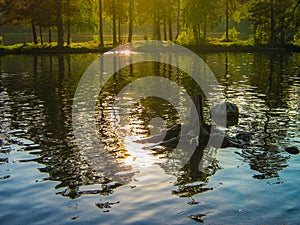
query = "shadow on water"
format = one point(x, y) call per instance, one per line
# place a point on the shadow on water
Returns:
point(36, 100)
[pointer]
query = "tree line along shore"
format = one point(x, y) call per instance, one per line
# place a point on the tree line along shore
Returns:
point(266, 25)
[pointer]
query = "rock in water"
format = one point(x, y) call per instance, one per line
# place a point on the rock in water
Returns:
point(292, 150)
point(245, 136)
point(225, 110)
point(198, 217)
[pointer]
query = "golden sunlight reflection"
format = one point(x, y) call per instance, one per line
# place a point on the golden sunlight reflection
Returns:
point(125, 52)
point(137, 154)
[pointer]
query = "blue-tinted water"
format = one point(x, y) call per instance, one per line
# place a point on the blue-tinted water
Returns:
point(46, 179)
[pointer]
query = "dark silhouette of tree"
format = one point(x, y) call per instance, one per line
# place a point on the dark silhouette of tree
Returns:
point(130, 20)
point(271, 20)
point(101, 23)
point(114, 21)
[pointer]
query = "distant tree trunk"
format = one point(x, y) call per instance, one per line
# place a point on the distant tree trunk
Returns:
point(227, 21)
point(282, 30)
point(272, 24)
point(60, 30)
point(165, 28)
point(157, 21)
point(41, 35)
point(130, 24)
point(35, 41)
point(178, 18)
point(170, 22)
point(68, 31)
point(50, 34)
point(155, 25)
point(68, 24)
point(196, 34)
point(101, 39)
point(158, 30)
point(114, 18)
point(205, 28)
point(119, 30)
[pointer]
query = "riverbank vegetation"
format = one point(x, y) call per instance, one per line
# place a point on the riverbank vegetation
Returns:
point(199, 24)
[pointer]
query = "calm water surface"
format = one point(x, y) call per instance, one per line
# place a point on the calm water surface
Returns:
point(46, 179)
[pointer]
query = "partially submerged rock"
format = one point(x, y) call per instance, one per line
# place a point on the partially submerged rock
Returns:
point(226, 114)
point(292, 150)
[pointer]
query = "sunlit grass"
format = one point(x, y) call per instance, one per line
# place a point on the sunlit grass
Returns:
point(73, 47)
point(222, 42)
point(210, 44)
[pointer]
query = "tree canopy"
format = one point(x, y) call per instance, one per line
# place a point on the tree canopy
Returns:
point(273, 22)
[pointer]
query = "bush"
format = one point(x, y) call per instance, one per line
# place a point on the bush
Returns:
point(146, 37)
point(1, 41)
point(232, 34)
point(297, 39)
point(184, 38)
point(96, 38)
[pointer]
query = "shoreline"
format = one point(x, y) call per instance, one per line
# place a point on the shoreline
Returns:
point(210, 48)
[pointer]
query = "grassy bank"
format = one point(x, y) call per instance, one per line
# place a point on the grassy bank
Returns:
point(212, 45)
point(30, 48)
point(219, 45)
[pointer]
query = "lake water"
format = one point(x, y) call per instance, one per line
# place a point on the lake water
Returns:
point(46, 179)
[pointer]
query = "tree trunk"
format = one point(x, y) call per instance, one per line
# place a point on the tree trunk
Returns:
point(282, 30)
point(35, 41)
point(130, 25)
point(156, 21)
point(49, 33)
point(68, 24)
point(119, 30)
point(272, 24)
point(170, 22)
point(60, 30)
point(155, 24)
point(41, 35)
point(227, 21)
point(114, 23)
point(196, 36)
point(205, 28)
point(158, 30)
point(165, 28)
point(68, 31)
point(101, 39)
point(178, 19)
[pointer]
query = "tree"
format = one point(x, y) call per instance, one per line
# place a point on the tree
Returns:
point(198, 14)
point(114, 20)
point(230, 7)
point(130, 22)
point(101, 23)
point(178, 18)
point(272, 19)
point(59, 23)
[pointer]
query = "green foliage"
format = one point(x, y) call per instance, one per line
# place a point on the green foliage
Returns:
point(96, 38)
point(184, 38)
point(296, 40)
point(232, 34)
point(146, 37)
point(1, 41)
point(271, 20)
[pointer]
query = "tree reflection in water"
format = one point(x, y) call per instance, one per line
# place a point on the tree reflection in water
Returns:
point(40, 105)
